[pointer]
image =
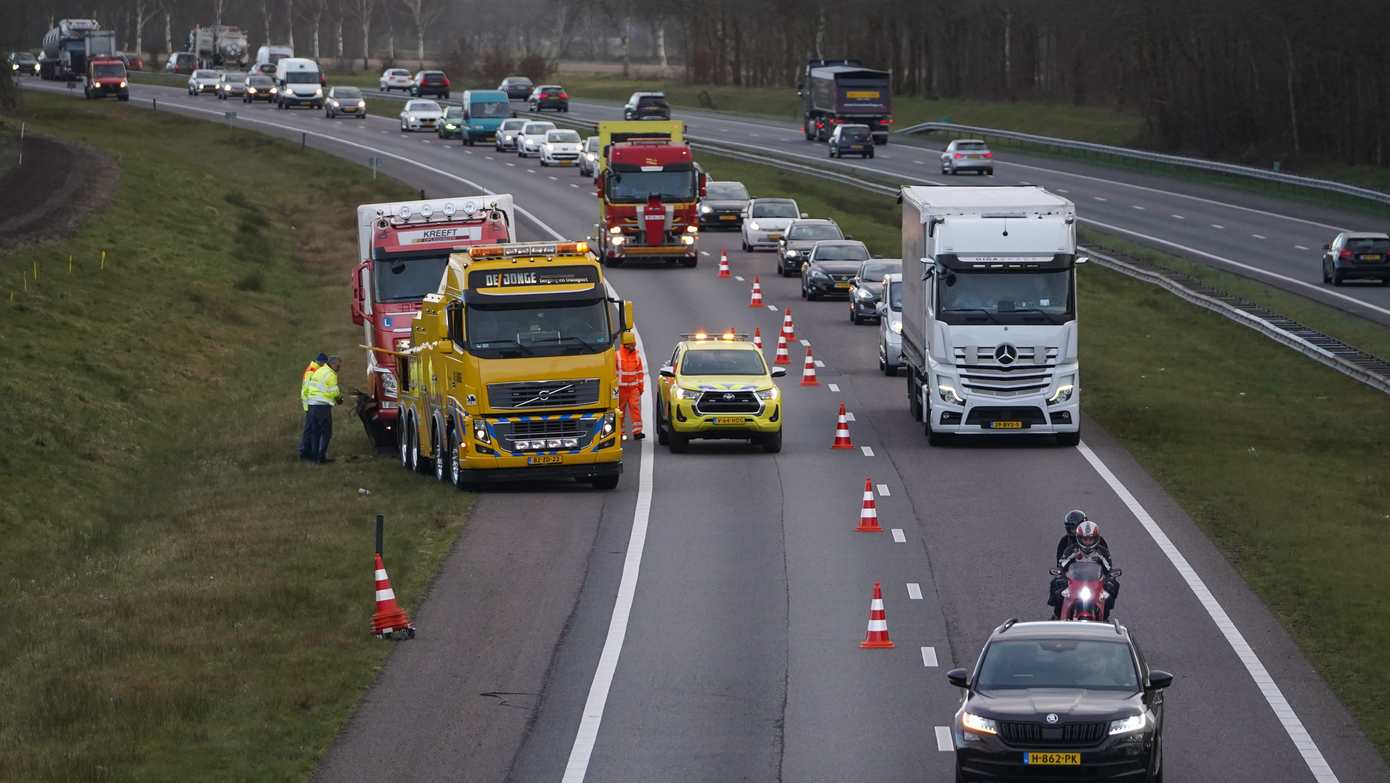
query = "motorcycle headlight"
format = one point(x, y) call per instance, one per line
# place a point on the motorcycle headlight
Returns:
point(618, 240)
point(688, 239)
point(947, 393)
point(977, 724)
point(1128, 725)
point(1085, 595)
point(692, 229)
point(768, 394)
point(896, 326)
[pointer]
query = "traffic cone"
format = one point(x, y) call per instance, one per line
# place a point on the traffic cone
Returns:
point(724, 263)
point(876, 637)
point(782, 357)
point(788, 330)
point(389, 621)
point(757, 299)
point(868, 513)
point(842, 440)
point(758, 337)
point(808, 370)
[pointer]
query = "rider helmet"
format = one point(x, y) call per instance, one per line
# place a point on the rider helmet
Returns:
point(1087, 536)
point(1074, 518)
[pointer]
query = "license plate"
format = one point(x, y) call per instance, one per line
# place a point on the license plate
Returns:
point(856, 147)
point(774, 235)
point(545, 459)
point(1052, 759)
point(728, 419)
point(728, 217)
point(842, 285)
point(1371, 258)
point(1006, 425)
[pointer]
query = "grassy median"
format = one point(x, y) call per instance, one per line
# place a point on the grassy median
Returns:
point(184, 599)
point(1280, 460)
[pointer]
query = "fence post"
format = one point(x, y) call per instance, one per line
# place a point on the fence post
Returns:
point(380, 531)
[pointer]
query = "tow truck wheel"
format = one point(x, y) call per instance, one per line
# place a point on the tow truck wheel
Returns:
point(403, 442)
point(442, 457)
point(455, 469)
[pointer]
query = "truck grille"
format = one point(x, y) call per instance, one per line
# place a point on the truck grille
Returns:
point(554, 434)
point(543, 394)
point(715, 402)
point(1006, 370)
point(1066, 735)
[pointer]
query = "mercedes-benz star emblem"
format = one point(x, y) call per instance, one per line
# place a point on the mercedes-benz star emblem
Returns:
point(1051, 717)
point(1005, 354)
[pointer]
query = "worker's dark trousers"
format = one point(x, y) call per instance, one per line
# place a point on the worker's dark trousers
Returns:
point(306, 438)
point(320, 430)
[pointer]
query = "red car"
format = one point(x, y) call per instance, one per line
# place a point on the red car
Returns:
point(133, 62)
point(106, 76)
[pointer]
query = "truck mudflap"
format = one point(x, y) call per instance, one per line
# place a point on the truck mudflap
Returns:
point(381, 430)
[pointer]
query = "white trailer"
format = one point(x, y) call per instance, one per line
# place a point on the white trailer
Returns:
point(989, 327)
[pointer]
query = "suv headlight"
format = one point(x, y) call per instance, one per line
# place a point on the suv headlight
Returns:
point(768, 394)
point(790, 254)
point(864, 293)
point(754, 225)
point(947, 393)
point(976, 724)
point(815, 274)
point(705, 210)
point(682, 393)
point(1129, 725)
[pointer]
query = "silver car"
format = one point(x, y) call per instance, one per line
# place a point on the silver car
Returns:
point(531, 138)
point(801, 236)
point(765, 221)
point(201, 81)
point(231, 84)
point(588, 159)
point(890, 325)
point(420, 115)
point(507, 134)
point(967, 155)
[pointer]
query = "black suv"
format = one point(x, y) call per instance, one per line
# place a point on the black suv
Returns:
point(549, 96)
point(1075, 697)
point(647, 106)
point(430, 83)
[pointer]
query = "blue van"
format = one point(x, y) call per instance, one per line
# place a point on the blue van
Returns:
point(483, 111)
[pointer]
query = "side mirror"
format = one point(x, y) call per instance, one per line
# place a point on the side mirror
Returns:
point(779, 372)
point(1082, 259)
point(1117, 573)
point(667, 372)
point(1158, 679)
point(959, 678)
point(881, 308)
point(1326, 247)
point(849, 236)
point(805, 214)
point(1055, 571)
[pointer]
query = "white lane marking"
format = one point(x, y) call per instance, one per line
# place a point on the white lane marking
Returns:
point(1300, 247)
point(755, 135)
point(738, 278)
point(929, 657)
point(530, 171)
point(819, 363)
point(914, 591)
point(704, 252)
point(832, 387)
point(884, 156)
point(1141, 209)
point(468, 152)
point(773, 308)
point(1268, 688)
point(868, 451)
point(489, 157)
point(552, 178)
point(898, 536)
point(1246, 267)
point(509, 163)
point(849, 415)
point(1259, 236)
point(919, 163)
point(1218, 226)
point(1063, 192)
point(574, 185)
point(426, 141)
point(806, 343)
point(1177, 217)
point(944, 743)
point(1100, 198)
point(883, 491)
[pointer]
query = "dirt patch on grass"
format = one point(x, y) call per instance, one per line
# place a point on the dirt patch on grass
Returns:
point(59, 184)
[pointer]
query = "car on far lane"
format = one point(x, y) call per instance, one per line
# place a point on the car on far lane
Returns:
point(794, 248)
point(231, 84)
point(203, 80)
point(647, 106)
point(967, 155)
point(890, 325)
point(517, 88)
point(430, 83)
point(183, 62)
point(23, 64)
point(1057, 701)
point(508, 134)
point(531, 138)
point(133, 61)
point(1356, 255)
point(264, 68)
point(765, 221)
point(395, 79)
point(719, 387)
point(347, 101)
point(831, 268)
point(723, 204)
point(259, 87)
point(420, 116)
point(561, 147)
point(549, 96)
point(851, 140)
point(588, 159)
point(866, 289)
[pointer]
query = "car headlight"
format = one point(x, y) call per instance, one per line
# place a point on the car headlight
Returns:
point(450, 126)
point(682, 393)
point(896, 326)
point(754, 226)
point(947, 392)
point(977, 724)
point(705, 210)
point(589, 156)
point(688, 239)
point(1065, 389)
point(816, 274)
point(14, 66)
point(615, 230)
point(318, 93)
point(1128, 725)
point(790, 254)
point(768, 394)
point(864, 293)
point(335, 104)
point(410, 118)
point(274, 90)
point(123, 84)
point(251, 90)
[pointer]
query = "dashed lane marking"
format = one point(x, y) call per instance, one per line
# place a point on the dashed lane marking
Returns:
point(552, 178)
point(573, 185)
point(704, 252)
point(1300, 247)
point(1178, 217)
point(849, 415)
point(819, 363)
point(943, 739)
point(914, 591)
point(806, 343)
point(1063, 192)
point(929, 657)
point(738, 278)
point(1100, 198)
point(1140, 208)
point(509, 163)
point(868, 450)
point(1218, 226)
point(883, 491)
point(773, 308)
point(1259, 236)
point(833, 387)
point(898, 536)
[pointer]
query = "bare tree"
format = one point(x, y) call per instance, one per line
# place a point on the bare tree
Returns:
point(423, 13)
point(363, 11)
point(317, 8)
point(141, 19)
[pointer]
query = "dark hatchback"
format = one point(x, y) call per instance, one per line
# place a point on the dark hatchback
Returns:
point(647, 106)
point(1060, 701)
point(259, 88)
point(430, 83)
point(1356, 255)
point(549, 96)
point(852, 140)
point(723, 205)
point(866, 289)
point(517, 88)
point(831, 267)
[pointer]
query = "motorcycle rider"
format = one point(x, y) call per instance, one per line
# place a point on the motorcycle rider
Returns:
point(1066, 542)
point(1088, 545)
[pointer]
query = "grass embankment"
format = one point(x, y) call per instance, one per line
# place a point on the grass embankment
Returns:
point(1279, 459)
point(184, 599)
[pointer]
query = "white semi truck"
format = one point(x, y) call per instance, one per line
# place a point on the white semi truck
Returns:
point(989, 332)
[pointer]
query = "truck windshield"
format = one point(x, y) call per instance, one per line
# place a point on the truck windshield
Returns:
point(965, 296)
point(408, 280)
point(489, 109)
point(549, 329)
point(633, 187)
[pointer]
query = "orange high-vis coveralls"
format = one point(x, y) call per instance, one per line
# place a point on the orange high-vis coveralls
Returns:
point(632, 380)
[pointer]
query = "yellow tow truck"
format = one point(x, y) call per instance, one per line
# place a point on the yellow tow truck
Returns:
point(511, 371)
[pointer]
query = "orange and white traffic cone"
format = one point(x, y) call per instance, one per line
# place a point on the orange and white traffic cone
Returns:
point(724, 263)
point(758, 337)
point(783, 356)
point(756, 300)
point(842, 440)
point(876, 637)
point(868, 513)
point(788, 330)
point(389, 621)
point(808, 370)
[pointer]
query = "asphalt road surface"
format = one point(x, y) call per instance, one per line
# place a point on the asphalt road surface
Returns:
point(725, 646)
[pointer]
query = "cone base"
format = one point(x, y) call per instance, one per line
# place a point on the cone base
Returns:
point(810, 382)
point(838, 445)
point(781, 362)
point(867, 529)
point(868, 645)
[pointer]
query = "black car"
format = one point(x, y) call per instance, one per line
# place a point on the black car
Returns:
point(517, 88)
point(851, 140)
point(647, 106)
point(1077, 698)
point(866, 289)
point(430, 83)
point(723, 205)
point(549, 96)
point(259, 88)
point(23, 64)
point(1356, 255)
point(831, 268)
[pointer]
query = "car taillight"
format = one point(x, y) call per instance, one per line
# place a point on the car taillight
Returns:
point(445, 80)
point(887, 120)
point(958, 156)
point(989, 154)
point(1345, 255)
point(565, 95)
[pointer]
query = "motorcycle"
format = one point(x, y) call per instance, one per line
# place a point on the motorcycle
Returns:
point(1085, 596)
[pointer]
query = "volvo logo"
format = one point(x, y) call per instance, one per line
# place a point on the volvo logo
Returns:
point(544, 394)
point(1051, 717)
point(1005, 354)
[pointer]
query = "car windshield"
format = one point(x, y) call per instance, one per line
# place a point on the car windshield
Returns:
point(453, 112)
point(422, 106)
point(895, 296)
point(591, 144)
point(559, 329)
point(405, 280)
point(1058, 663)
point(633, 187)
point(511, 125)
point(108, 69)
point(347, 92)
point(488, 108)
point(398, 72)
point(854, 134)
point(730, 191)
point(302, 77)
point(815, 231)
point(725, 361)
point(205, 74)
point(971, 146)
point(874, 272)
point(841, 253)
point(1006, 297)
point(233, 77)
point(562, 136)
point(537, 128)
point(1368, 245)
point(774, 209)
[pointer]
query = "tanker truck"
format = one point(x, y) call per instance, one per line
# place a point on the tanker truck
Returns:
point(68, 47)
point(219, 45)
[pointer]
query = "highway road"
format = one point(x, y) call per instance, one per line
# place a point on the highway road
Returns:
point(702, 622)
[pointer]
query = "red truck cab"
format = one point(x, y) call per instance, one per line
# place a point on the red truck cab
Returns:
point(106, 76)
point(404, 249)
point(649, 189)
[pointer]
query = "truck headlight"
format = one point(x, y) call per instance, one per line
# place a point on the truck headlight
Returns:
point(610, 423)
point(688, 239)
point(684, 394)
point(947, 393)
point(618, 240)
point(615, 230)
point(480, 431)
point(768, 394)
point(1065, 389)
point(318, 93)
point(705, 210)
point(1128, 725)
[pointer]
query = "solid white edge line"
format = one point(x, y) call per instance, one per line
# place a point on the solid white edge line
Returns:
point(1302, 741)
point(898, 536)
point(914, 591)
point(944, 743)
point(929, 657)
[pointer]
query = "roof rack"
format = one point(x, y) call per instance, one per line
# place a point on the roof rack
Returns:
point(1009, 623)
point(1119, 631)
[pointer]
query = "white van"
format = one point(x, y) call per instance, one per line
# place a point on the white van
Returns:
point(299, 81)
point(270, 55)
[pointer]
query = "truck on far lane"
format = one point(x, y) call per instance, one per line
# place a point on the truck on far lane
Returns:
point(69, 46)
point(842, 92)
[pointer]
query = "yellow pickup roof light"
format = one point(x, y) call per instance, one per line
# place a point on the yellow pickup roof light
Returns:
point(729, 335)
point(482, 252)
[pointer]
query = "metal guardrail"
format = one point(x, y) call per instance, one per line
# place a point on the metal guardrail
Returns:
point(1179, 161)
